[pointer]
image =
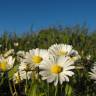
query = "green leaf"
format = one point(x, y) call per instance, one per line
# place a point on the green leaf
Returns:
point(68, 90)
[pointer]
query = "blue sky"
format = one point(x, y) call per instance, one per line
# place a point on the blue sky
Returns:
point(20, 15)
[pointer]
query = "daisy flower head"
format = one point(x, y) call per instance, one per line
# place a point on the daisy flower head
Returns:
point(92, 74)
point(25, 67)
point(16, 44)
point(57, 69)
point(25, 75)
point(20, 55)
point(20, 76)
point(88, 57)
point(64, 50)
point(6, 63)
point(60, 49)
point(9, 52)
point(35, 57)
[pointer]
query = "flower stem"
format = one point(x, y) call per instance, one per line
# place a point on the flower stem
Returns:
point(26, 86)
point(48, 89)
point(56, 90)
point(10, 87)
point(15, 89)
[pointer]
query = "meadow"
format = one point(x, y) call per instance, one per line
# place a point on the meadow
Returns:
point(14, 48)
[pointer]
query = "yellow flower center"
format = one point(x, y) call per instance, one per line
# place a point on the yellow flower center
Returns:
point(37, 59)
point(3, 65)
point(60, 53)
point(56, 69)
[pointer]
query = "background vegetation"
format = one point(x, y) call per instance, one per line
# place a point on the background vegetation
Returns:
point(78, 36)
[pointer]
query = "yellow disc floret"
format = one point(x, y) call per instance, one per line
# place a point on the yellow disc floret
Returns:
point(3, 65)
point(56, 69)
point(37, 59)
point(61, 53)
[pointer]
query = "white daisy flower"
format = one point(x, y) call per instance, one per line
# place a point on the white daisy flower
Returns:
point(25, 75)
point(57, 69)
point(9, 52)
point(16, 44)
point(88, 57)
point(92, 74)
point(64, 50)
point(24, 67)
point(6, 63)
point(20, 76)
point(20, 55)
point(60, 49)
point(35, 57)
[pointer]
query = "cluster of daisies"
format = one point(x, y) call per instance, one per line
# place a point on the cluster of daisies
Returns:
point(55, 65)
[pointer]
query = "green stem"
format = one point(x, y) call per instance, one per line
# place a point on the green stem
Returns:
point(15, 89)
point(10, 87)
point(33, 81)
point(48, 89)
point(56, 90)
point(62, 89)
point(26, 86)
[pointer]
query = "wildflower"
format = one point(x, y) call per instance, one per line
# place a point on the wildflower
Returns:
point(19, 76)
point(24, 67)
point(64, 50)
point(88, 57)
point(60, 49)
point(92, 74)
point(6, 63)
point(9, 52)
point(16, 44)
point(25, 75)
point(20, 55)
point(57, 69)
point(35, 57)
